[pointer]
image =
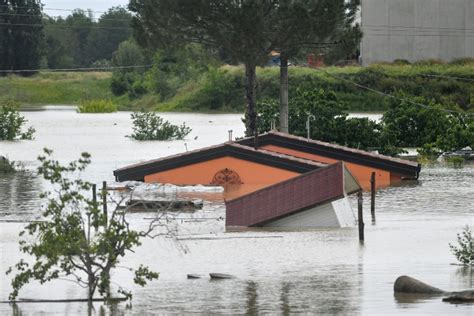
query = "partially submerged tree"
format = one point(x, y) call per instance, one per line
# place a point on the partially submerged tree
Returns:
point(464, 250)
point(11, 122)
point(150, 126)
point(76, 239)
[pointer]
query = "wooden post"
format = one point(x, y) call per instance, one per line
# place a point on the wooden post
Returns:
point(94, 199)
point(372, 195)
point(104, 200)
point(360, 215)
point(94, 193)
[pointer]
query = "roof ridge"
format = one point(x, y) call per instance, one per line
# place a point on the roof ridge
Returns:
point(279, 155)
point(336, 146)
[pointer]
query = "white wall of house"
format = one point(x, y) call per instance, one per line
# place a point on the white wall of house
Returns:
point(330, 215)
point(416, 30)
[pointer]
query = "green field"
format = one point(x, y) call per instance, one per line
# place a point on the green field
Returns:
point(223, 90)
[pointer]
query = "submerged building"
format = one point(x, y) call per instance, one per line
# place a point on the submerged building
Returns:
point(278, 181)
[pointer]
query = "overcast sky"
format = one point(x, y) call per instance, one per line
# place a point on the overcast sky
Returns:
point(95, 5)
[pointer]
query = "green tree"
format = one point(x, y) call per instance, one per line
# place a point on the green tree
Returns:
point(128, 80)
point(21, 35)
point(80, 25)
point(113, 28)
point(76, 239)
point(303, 25)
point(327, 117)
point(411, 125)
point(464, 250)
point(240, 28)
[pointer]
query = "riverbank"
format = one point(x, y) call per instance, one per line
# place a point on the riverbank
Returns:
point(222, 91)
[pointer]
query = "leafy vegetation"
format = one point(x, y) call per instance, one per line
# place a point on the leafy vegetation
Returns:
point(199, 93)
point(245, 31)
point(82, 40)
point(6, 166)
point(206, 87)
point(464, 250)
point(20, 47)
point(76, 239)
point(11, 122)
point(405, 124)
point(327, 118)
point(150, 126)
point(97, 106)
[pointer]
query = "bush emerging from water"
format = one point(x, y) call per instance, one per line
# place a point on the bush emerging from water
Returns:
point(6, 166)
point(150, 126)
point(464, 251)
point(97, 106)
point(11, 122)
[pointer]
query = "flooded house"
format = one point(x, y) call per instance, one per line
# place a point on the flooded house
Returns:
point(277, 180)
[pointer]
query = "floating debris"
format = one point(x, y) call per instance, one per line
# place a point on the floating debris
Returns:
point(220, 276)
point(170, 206)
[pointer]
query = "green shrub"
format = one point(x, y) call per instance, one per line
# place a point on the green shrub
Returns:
point(329, 120)
point(11, 122)
point(150, 126)
point(464, 251)
point(428, 153)
point(455, 161)
point(97, 106)
point(6, 166)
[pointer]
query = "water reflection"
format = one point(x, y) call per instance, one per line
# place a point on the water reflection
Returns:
point(252, 296)
point(465, 275)
point(19, 196)
point(284, 301)
point(411, 298)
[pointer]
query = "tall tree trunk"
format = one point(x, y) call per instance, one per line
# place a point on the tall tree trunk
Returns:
point(284, 93)
point(251, 93)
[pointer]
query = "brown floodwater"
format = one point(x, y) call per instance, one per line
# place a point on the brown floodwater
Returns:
point(276, 272)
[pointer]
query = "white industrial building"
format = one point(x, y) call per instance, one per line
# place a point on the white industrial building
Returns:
point(416, 30)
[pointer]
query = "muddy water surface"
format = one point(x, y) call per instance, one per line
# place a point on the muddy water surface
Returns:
point(322, 271)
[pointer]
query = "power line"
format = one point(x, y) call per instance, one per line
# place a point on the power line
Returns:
point(391, 27)
point(74, 69)
point(58, 16)
point(386, 94)
point(50, 9)
point(420, 35)
point(68, 26)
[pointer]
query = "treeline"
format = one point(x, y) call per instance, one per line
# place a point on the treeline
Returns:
point(30, 39)
point(80, 40)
